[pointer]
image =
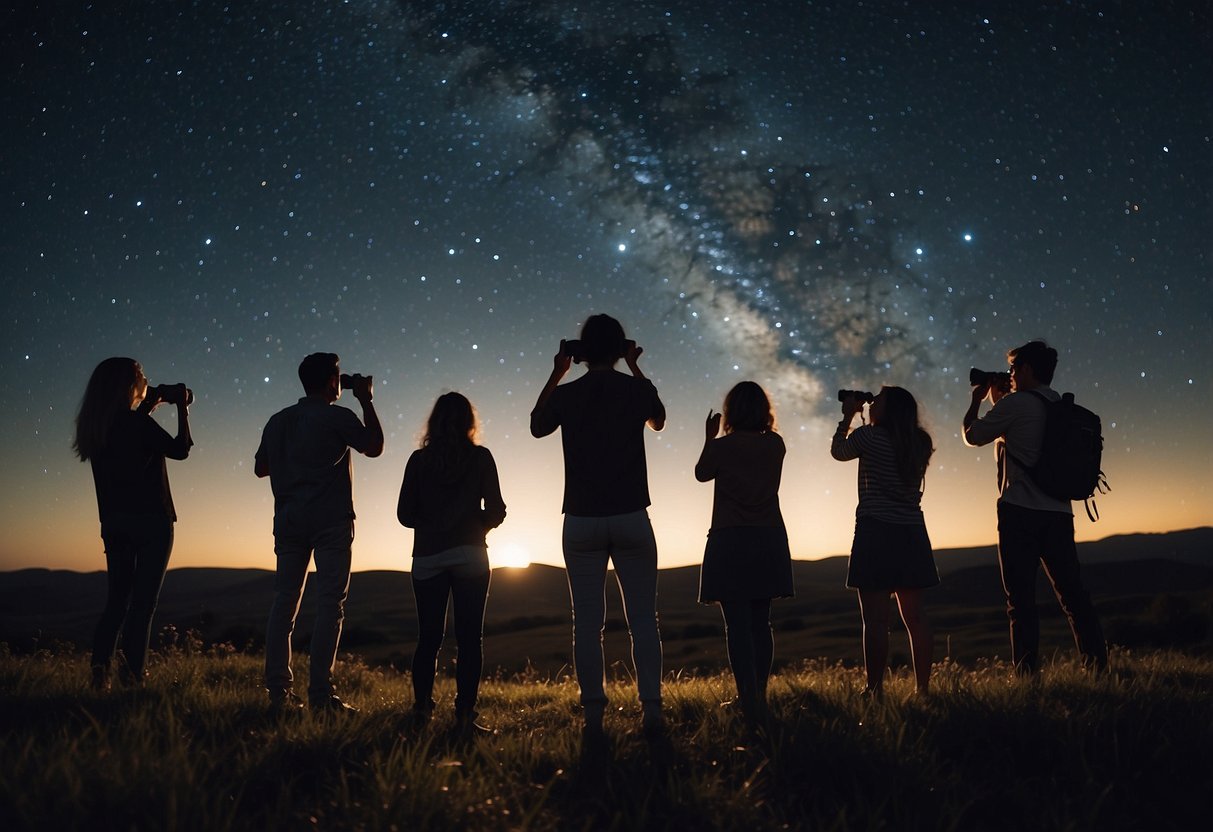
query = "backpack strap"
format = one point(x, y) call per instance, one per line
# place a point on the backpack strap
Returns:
point(1101, 487)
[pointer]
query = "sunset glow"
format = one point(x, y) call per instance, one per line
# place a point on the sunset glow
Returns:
point(510, 555)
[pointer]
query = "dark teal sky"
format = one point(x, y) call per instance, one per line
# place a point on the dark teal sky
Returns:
point(814, 196)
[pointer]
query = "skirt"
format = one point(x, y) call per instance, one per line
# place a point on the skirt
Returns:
point(890, 556)
point(746, 563)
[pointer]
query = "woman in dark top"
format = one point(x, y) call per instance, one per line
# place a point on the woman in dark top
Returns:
point(451, 497)
point(891, 554)
point(747, 561)
point(127, 449)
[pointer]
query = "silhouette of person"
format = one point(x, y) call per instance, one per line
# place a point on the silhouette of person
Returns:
point(451, 496)
point(116, 434)
point(1033, 528)
point(601, 417)
point(891, 553)
point(746, 562)
point(305, 451)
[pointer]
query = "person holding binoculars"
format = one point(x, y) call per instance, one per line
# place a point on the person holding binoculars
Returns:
point(891, 553)
point(1034, 527)
point(127, 450)
point(601, 417)
point(305, 451)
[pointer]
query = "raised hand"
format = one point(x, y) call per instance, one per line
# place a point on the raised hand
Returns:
point(562, 360)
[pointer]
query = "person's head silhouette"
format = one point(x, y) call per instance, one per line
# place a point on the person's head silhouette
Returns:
point(117, 384)
point(453, 419)
point(1032, 365)
point(603, 340)
point(320, 374)
point(747, 408)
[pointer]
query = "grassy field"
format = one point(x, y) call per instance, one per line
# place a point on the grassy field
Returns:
point(196, 749)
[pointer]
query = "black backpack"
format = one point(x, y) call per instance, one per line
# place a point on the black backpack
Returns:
point(1070, 454)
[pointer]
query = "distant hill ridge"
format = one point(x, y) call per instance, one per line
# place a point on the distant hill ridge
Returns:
point(1186, 546)
point(1125, 574)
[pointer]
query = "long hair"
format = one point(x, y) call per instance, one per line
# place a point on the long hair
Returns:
point(912, 446)
point(111, 390)
point(747, 407)
point(451, 431)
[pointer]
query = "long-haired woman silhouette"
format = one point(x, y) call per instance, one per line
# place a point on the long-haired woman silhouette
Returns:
point(451, 497)
point(746, 562)
point(127, 449)
point(891, 553)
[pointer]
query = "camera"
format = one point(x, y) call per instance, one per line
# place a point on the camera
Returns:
point(863, 396)
point(171, 394)
point(348, 381)
point(978, 378)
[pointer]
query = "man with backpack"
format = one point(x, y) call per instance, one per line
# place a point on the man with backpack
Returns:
point(1034, 526)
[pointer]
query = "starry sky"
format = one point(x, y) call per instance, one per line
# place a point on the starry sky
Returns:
point(811, 195)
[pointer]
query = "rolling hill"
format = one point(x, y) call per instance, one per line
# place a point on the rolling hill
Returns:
point(1152, 590)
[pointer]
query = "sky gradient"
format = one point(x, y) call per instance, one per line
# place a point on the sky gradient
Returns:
point(820, 195)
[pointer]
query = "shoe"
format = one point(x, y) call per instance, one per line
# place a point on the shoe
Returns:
point(594, 712)
point(752, 713)
point(653, 721)
point(594, 743)
point(284, 701)
point(466, 725)
point(129, 678)
point(332, 704)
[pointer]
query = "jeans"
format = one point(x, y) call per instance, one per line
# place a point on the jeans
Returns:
point(137, 549)
point(467, 586)
point(627, 542)
point(751, 648)
point(332, 551)
point(1027, 538)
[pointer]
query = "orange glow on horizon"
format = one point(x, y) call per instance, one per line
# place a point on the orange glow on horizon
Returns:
point(226, 513)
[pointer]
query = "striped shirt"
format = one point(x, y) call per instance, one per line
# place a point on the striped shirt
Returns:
point(882, 494)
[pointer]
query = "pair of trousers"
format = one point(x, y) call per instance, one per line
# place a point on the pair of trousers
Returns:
point(1030, 537)
point(751, 648)
point(467, 587)
point(137, 549)
point(332, 549)
point(627, 542)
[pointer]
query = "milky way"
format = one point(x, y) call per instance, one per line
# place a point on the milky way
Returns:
point(799, 270)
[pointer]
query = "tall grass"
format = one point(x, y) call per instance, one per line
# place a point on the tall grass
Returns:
point(196, 749)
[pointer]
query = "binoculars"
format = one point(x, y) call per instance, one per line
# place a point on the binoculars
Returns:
point(171, 393)
point(994, 379)
point(575, 350)
point(863, 396)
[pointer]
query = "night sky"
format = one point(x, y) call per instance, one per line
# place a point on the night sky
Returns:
point(809, 195)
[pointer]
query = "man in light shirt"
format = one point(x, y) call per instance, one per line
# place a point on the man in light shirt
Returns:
point(305, 451)
point(1033, 527)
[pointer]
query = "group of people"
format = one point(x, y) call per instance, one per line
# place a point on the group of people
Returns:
point(451, 497)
